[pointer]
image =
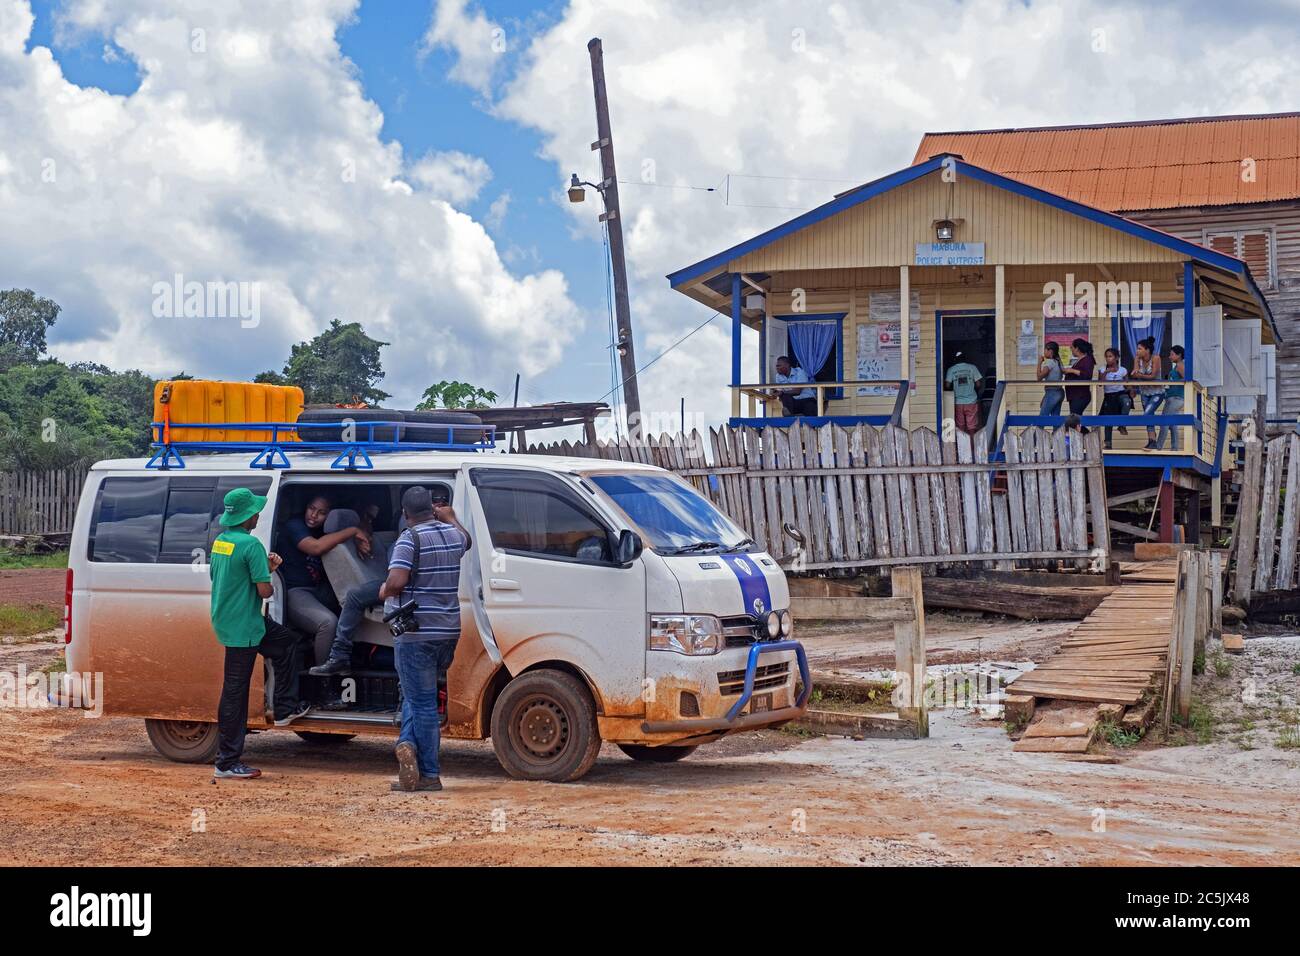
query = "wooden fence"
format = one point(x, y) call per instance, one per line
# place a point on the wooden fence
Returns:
point(40, 502)
point(863, 497)
point(1266, 534)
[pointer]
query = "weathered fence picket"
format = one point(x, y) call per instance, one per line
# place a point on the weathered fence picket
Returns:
point(871, 497)
point(40, 502)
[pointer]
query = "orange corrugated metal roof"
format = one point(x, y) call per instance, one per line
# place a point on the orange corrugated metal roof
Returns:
point(1161, 164)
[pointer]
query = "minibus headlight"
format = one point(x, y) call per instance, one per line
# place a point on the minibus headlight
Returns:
point(787, 624)
point(773, 625)
point(685, 633)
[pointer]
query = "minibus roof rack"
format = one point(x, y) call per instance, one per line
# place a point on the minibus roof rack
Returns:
point(353, 455)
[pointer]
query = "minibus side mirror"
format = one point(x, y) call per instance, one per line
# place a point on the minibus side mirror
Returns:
point(628, 548)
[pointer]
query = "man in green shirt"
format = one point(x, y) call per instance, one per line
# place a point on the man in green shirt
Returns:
point(965, 382)
point(240, 570)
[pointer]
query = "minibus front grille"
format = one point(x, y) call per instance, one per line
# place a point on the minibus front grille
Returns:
point(766, 677)
point(741, 631)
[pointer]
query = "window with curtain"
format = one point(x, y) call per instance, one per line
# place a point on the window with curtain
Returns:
point(814, 345)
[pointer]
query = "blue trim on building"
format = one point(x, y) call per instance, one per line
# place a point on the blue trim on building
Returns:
point(1189, 321)
point(824, 211)
point(735, 330)
point(812, 421)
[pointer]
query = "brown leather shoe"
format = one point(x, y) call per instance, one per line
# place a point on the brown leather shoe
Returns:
point(408, 769)
point(425, 783)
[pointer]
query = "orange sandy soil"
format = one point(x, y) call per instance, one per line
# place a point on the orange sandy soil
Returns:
point(76, 790)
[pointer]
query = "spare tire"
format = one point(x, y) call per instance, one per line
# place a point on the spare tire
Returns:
point(358, 415)
point(421, 427)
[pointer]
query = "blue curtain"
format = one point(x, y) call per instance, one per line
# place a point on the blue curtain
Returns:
point(812, 344)
point(1157, 329)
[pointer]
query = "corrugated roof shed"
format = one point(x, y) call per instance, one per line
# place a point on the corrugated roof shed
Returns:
point(1161, 164)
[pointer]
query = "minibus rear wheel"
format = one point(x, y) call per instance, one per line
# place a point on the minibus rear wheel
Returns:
point(544, 727)
point(656, 754)
point(185, 741)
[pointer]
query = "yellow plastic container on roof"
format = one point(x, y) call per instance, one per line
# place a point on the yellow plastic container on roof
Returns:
point(220, 403)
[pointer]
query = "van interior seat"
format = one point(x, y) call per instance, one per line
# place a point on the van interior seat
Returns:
point(346, 569)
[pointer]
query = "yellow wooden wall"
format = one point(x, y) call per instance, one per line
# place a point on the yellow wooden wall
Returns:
point(1015, 230)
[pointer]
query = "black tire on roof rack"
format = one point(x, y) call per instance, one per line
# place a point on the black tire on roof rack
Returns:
point(419, 428)
point(358, 415)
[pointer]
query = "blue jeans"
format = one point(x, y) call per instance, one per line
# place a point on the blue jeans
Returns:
point(350, 617)
point(1150, 402)
point(1052, 399)
point(418, 667)
point(1173, 406)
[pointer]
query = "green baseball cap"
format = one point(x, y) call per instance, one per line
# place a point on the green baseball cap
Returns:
point(241, 504)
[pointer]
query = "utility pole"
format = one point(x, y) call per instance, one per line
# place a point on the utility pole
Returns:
point(614, 222)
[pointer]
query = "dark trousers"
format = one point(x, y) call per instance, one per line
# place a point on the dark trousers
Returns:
point(280, 647)
point(799, 406)
point(1078, 401)
point(1115, 403)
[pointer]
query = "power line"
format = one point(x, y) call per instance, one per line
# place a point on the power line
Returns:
point(670, 348)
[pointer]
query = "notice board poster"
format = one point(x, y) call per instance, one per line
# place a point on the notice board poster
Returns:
point(880, 355)
point(1064, 329)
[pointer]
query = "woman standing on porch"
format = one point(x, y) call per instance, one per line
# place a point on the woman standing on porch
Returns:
point(1049, 370)
point(1147, 368)
point(1114, 398)
point(1079, 396)
point(1173, 397)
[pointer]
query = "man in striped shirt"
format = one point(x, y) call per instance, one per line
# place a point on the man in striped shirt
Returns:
point(424, 566)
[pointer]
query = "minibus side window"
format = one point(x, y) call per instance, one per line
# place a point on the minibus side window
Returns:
point(538, 515)
point(161, 519)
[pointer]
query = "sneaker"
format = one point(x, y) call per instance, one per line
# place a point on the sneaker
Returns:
point(425, 783)
point(1149, 445)
point(331, 669)
point(240, 771)
point(301, 710)
point(1123, 429)
point(408, 770)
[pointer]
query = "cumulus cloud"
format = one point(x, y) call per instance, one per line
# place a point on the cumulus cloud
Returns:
point(249, 153)
point(841, 92)
point(475, 42)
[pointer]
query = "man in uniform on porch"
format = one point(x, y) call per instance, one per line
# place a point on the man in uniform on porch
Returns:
point(800, 401)
point(965, 382)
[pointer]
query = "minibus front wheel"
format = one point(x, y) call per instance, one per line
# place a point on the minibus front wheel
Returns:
point(185, 741)
point(544, 727)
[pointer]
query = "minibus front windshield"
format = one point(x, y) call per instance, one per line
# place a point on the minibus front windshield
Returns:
point(671, 515)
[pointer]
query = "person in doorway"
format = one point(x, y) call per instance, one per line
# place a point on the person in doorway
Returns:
point(424, 566)
point(794, 401)
point(965, 381)
point(1147, 367)
point(1049, 370)
point(311, 604)
point(1115, 398)
point(1173, 398)
point(1080, 370)
point(240, 571)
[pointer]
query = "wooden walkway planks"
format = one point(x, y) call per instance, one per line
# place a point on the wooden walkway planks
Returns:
point(1119, 650)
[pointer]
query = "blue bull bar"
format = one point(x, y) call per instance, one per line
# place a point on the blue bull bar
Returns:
point(751, 666)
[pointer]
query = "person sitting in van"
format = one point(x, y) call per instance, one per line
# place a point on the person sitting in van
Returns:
point(794, 401)
point(424, 566)
point(310, 601)
point(240, 570)
point(965, 381)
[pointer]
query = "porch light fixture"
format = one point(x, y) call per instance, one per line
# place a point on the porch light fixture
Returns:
point(944, 229)
point(576, 192)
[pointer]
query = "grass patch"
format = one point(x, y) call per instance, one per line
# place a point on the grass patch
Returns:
point(1289, 738)
point(1118, 736)
point(1201, 721)
point(1222, 666)
point(11, 560)
point(25, 620)
point(878, 701)
point(1295, 669)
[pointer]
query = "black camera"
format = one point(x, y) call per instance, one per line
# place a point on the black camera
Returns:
point(401, 619)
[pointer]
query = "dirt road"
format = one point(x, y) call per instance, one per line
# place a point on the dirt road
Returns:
point(76, 790)
point(33, 586)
